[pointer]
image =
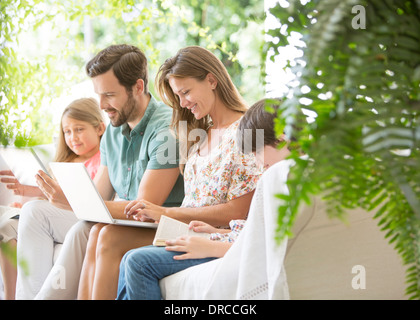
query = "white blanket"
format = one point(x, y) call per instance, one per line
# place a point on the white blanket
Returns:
point(253, 266)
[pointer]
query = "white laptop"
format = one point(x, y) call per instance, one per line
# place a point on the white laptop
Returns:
point(84, 198)
point(24, 163)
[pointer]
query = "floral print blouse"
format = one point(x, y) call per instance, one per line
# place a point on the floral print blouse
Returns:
point(222, 175)
point(236, 227)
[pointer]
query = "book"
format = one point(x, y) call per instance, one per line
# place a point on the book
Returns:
point(169, 229)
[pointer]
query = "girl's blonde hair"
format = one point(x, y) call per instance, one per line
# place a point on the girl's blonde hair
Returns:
point(84, 109)
point(196, 62)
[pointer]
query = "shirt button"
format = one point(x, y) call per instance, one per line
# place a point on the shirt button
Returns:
point(141, 133)
point(129, 169)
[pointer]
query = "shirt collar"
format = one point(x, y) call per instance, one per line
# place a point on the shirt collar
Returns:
point(141, 126)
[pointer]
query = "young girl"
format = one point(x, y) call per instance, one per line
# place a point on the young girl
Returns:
point(142, 268)
point(82, 125)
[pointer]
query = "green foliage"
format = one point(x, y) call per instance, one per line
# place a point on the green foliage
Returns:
point(9, 252)
point(44, 47)
point(364, 85)
point(26, 85)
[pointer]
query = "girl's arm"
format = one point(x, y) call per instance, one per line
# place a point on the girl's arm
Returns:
point(19, 189)
point(52, 190)
point(202, 227)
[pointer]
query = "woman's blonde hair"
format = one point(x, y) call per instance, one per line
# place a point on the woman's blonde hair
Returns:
point(85, 109)
point(196, 62)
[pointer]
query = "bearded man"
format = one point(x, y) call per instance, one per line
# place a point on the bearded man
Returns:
point(130, 168)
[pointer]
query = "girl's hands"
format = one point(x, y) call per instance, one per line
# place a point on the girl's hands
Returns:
point(18, 189)
point(52, 190)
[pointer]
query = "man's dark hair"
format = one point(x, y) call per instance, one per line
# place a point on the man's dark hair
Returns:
point(127, 62)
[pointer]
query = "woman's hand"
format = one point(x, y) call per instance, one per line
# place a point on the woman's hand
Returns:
point(142, 210)
point(52, 190)
point(18, 189)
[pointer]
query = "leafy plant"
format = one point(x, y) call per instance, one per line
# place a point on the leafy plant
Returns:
point(360, 74)
point(17, 79)
point(30, 79)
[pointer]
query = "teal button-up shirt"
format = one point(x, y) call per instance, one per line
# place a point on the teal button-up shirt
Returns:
point(128, 154)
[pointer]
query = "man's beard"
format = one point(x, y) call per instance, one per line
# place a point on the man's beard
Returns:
point(127, 113)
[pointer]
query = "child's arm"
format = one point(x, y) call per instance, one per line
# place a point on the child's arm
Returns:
point(200, 226)
point(19, 189)
point(197, 247)
point(52, 190)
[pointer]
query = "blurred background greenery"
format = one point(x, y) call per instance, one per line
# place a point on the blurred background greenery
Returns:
point(44, 46)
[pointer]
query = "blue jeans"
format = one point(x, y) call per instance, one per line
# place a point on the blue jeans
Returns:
point(142, 268)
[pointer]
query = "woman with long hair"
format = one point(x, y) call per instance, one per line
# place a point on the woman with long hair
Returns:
point(218, 179)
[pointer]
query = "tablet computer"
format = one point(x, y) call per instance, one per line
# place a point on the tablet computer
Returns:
point(24, 163)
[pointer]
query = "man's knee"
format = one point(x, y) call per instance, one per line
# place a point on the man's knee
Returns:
point(32, 213)
point(79, 232)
